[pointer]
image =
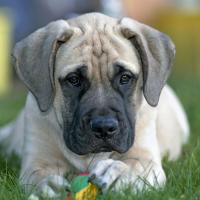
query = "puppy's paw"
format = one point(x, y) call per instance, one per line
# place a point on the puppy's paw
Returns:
point(50, 187)
point(115, 175)
point(106, 172)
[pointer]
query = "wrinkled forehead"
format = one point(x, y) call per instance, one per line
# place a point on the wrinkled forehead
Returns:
point(100, 48)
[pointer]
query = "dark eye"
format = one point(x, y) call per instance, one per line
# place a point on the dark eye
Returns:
point(74, 80)
point(125, 78)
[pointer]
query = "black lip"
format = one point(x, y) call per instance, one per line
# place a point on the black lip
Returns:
point(102, 149)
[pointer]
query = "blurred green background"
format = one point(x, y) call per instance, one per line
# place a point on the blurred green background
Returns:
point(184, 28)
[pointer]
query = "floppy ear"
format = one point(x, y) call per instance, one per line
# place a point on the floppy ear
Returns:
point(156, 52)
point(34, 59)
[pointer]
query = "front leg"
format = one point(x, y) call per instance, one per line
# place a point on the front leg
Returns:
point(139, 168)
point(50, 187)
point(43, 162)
point(44, 166)
point(44, 177)
point(115, 175)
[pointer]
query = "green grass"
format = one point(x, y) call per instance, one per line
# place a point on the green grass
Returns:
point(183, 176)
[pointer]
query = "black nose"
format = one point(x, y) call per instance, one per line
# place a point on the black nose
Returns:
point(104, 126)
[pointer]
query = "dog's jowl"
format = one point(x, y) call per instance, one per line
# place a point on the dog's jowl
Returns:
point(98, 102)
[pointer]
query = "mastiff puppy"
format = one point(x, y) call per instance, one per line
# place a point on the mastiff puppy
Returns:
point(97, 103)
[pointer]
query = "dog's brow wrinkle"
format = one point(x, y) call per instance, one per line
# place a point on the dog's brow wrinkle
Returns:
point(86, 27)
point(71, 68)
point(97, 50)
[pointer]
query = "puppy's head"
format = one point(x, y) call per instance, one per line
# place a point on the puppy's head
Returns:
point(94, 70)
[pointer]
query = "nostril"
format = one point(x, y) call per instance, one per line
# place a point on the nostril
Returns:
point(111, 129)
point(111, 125)
point(98, 129)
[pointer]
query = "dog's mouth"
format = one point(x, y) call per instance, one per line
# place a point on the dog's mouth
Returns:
point(81, 143)
point(81, 147)
point(108, 149)
point(103, 149)
point(83, 138)
point(109, 146)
